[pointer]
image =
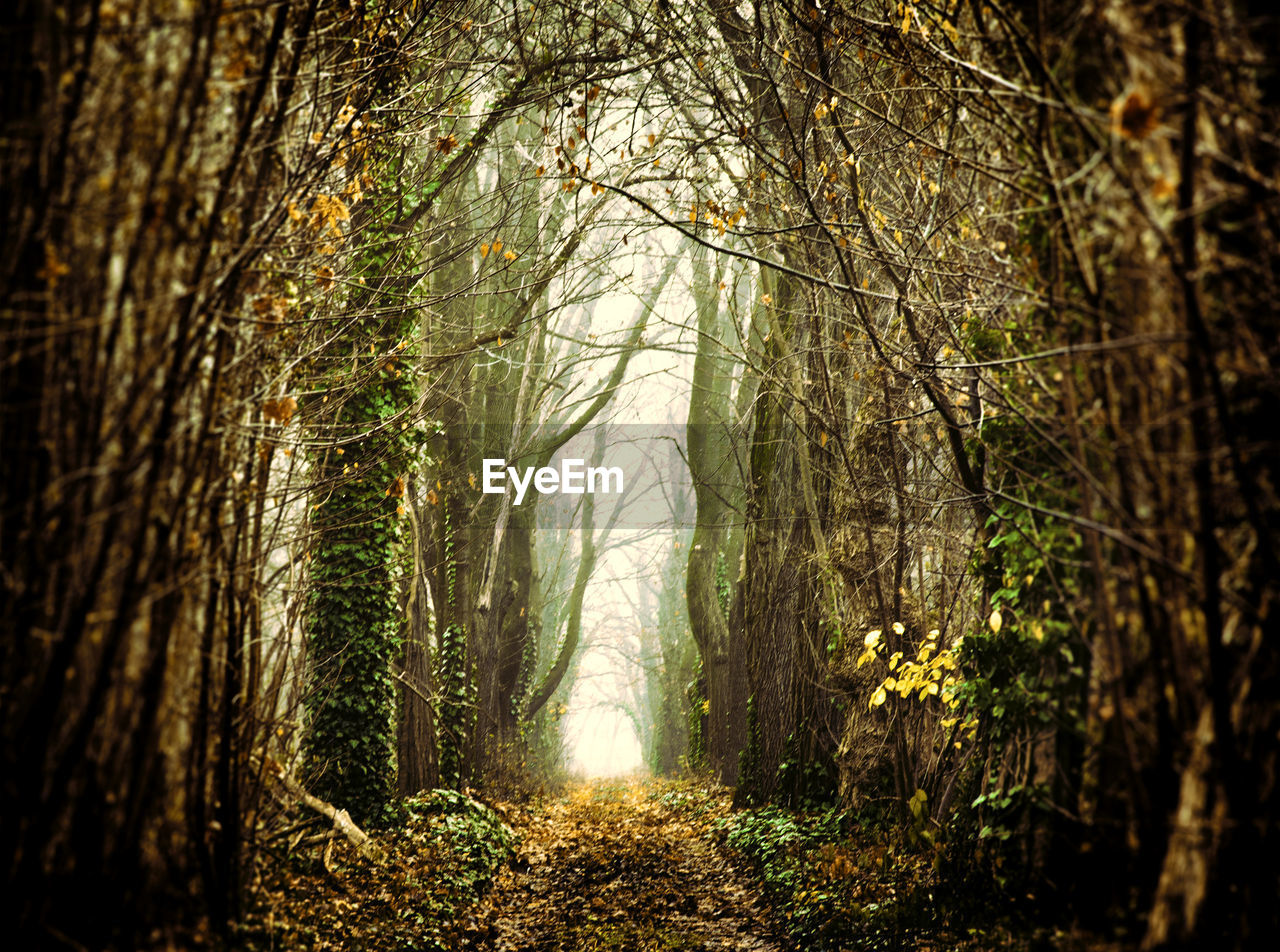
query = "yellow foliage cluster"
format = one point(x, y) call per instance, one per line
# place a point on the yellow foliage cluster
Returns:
point(327, 211)
point(932, 672)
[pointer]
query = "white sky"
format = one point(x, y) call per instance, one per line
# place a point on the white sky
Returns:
point(602, 737)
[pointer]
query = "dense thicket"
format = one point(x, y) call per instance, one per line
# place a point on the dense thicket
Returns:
point(152, 165)
point(1009, 362)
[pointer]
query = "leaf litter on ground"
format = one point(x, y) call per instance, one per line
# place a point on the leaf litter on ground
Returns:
point(620, 865)
point(617, 865)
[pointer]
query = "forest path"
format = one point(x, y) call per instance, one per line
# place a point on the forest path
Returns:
point(612, 866)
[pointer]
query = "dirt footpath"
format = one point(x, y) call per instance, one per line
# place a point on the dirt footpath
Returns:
point(610, 867)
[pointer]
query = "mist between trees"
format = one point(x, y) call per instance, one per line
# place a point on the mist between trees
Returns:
point(957, 322)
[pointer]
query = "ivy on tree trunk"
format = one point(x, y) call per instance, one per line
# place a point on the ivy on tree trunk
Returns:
point(357, 517)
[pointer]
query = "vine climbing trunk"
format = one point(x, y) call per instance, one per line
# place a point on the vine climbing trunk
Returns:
point(365, 443)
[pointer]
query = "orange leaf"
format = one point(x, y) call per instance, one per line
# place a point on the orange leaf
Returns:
point(1137, 116)
point(279, 411)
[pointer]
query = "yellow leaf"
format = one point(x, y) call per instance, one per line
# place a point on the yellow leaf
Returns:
point(878, 698)
point(873, 639)
point(484, 249)
point(327, 211)
point(996, 621)
point(898, 628)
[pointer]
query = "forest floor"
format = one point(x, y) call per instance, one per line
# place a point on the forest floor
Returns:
point(636, 865)
point(612, 867)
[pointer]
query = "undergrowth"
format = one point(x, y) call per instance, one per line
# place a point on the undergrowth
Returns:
point(806, 867)
point(441, 859)
point(841, 881)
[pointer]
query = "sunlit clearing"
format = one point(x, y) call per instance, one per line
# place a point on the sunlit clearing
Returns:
point(604, 743)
